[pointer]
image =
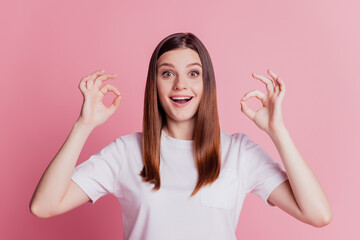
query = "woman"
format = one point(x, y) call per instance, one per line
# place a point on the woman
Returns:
point(182, 177)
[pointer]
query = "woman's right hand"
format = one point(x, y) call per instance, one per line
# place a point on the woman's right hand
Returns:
point(93, 111)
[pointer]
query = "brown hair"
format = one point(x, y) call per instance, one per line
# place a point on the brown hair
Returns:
point(207, 130)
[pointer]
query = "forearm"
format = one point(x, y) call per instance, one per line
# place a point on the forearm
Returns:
point(307, 191)
point(56, 178)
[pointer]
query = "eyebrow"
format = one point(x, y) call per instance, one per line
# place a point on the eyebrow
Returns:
point(171, 65)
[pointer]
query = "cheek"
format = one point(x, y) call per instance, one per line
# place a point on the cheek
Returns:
point(160, 90)
point(199, 89)
point(162, 93)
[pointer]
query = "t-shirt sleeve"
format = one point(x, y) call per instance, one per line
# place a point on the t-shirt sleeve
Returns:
point(98, 175)
point(264, 174)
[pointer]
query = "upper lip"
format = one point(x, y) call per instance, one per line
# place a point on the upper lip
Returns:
point(180, 96)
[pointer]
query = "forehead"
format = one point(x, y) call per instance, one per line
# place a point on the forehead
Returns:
point(179, 57)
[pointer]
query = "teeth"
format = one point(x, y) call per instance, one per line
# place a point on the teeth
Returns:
point(180, 98)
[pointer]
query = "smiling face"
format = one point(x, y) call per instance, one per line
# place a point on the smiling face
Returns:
point(179, 83)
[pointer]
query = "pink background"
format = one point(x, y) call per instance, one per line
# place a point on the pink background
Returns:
point(48, 46)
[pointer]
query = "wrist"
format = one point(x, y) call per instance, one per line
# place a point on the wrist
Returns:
point(278, 132)
point(79, 125)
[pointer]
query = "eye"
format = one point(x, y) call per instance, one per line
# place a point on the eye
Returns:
point(166, 74)
point(196, 73)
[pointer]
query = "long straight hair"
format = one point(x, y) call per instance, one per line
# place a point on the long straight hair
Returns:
point(206, 142)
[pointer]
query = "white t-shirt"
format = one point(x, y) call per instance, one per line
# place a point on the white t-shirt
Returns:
point(170, 213)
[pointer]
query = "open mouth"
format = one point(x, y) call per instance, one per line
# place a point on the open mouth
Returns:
point(181, 99)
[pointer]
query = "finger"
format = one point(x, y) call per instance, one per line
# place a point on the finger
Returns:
point(282, 87)
point(82, 85)
point(89, 83)
point(276, 90)
point(272, 74)
point(90, 79)
point(93, 75)
point(246, 110)
point(275, 78)
point(99, 80)
point(256, 93)
point(269, 83)
point(97, 72)
point(115, 104)
point(104, 90)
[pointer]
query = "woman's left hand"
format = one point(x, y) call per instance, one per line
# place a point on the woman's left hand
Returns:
point(269, 116)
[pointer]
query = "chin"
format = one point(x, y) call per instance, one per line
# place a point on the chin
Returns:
point(183, 118)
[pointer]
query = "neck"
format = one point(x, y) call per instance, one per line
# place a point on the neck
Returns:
point(180, 130)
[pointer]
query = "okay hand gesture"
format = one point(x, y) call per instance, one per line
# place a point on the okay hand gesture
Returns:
point(269, 116)
point(93, 111)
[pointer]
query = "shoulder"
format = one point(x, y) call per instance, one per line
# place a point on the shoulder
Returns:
point(135, 136)
point(129, 140)
point(237, 141)
point(233, 138)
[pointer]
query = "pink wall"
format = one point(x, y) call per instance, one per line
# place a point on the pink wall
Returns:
point(48, 46)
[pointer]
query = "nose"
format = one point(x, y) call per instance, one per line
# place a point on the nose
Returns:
point(180, 83)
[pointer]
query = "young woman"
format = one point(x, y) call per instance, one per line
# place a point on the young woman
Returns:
point(181, 177)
